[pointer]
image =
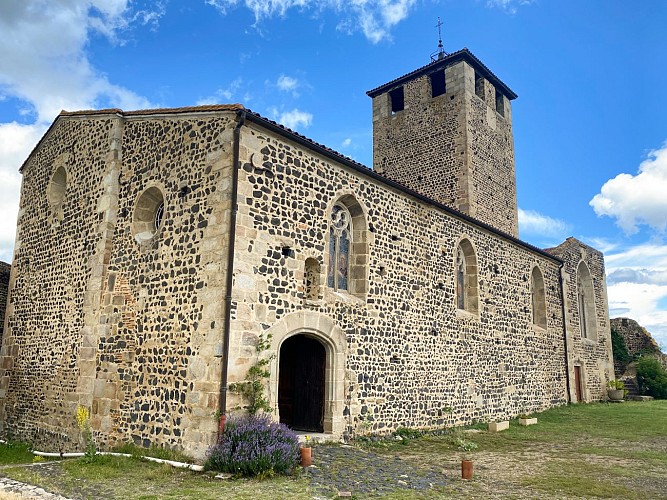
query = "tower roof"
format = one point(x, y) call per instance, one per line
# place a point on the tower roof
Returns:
point(461, 55)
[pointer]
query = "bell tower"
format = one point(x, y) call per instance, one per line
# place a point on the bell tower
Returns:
point(445, 131)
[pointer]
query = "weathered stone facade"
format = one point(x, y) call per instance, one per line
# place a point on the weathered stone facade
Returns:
point(4, 289)
point(137, 229)
point(457, 147)
point(589, 351)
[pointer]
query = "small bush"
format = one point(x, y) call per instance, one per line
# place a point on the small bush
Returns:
point(254, 445)
point(620, 350)
point(652, 377)
point(407, 433)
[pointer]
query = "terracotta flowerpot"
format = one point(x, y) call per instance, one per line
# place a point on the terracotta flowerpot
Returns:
point(306, 457)
point(466, 469)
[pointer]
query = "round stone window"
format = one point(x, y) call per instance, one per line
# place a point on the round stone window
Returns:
point(148, 214)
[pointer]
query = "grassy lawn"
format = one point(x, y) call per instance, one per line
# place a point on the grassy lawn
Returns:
point(594, 451)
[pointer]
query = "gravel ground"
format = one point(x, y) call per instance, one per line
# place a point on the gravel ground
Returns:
point(346, 469)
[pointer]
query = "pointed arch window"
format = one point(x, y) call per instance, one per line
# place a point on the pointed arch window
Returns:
point(460, 279)
point(340, 235)
point(538, 299)
point(466, 278)
point(586, 303)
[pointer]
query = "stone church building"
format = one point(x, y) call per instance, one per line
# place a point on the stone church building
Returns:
point(156, 247)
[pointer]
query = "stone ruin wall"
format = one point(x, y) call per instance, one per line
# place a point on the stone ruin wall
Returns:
point(412, 359)
point(5, 270)
point(454, 148)
point(595, 356)
point(127, 329)
point(637, 338)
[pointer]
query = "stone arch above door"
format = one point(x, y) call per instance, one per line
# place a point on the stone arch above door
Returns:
point(323, 329)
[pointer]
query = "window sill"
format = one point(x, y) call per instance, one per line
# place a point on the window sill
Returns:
point(334, 296)
point(466, 315)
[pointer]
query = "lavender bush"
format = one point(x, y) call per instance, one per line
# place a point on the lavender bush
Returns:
point(254, 445)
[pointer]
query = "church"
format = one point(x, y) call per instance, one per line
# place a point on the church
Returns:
point(157, 249)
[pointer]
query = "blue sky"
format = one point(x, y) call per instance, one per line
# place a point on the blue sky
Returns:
point(589, 124)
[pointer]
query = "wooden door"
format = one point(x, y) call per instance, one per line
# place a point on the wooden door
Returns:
point(301, 383)
point(577, 383)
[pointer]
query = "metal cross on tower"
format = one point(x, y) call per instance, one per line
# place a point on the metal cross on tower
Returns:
point(440, 53)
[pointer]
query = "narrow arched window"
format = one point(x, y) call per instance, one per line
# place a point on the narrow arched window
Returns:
point(340, 235)
point(466, 278)
point(312, 279)
point(586, 303)
point(538, 299)
point(460, 279)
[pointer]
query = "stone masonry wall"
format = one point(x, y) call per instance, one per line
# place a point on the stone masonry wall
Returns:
point(127, 328)
point(593, 355)
point(5, 270)
point(412, 358)
point(163, 301)
point(51, 269)
point(454, 148)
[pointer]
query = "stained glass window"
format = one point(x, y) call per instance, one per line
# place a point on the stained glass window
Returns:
point(339, 248)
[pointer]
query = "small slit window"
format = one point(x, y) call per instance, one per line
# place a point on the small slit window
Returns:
point(500, 103)
point(397, 98)
point(479, 85)
point(438, 86)
point(312, 279)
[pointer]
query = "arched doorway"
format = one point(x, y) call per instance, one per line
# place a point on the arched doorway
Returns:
point(301, 379)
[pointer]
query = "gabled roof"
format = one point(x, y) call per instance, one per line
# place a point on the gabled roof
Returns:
point(306, 142)
point(140, 112)
point(461, 55)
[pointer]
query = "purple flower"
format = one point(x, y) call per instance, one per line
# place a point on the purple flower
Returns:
point(253, 445)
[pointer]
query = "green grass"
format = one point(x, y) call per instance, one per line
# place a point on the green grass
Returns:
point(15, 453)
point(154, 451)
point(594, 451)
point(580, 479)
point(133, 479)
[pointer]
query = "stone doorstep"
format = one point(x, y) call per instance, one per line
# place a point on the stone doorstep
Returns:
point(316, 437)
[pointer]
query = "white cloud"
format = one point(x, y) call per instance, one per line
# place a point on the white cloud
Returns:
point(536, 224)
point(375, 18)
point(45, 67)
point(235, 91)
point(637, 199)
point(287, 83)
point(510, 6)
point(347, 142)
point(295, 118)
point(637, 286)
point(43, 59)
point(16, 142)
